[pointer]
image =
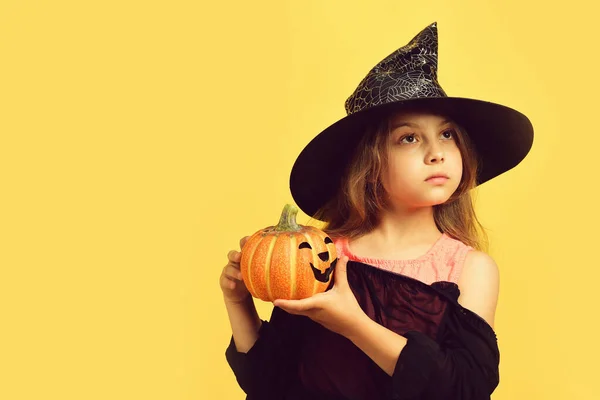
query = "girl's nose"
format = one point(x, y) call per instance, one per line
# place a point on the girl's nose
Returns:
point(435, 155)
point(436, 158)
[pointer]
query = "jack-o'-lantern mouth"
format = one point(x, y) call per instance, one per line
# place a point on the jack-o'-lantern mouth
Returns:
point(321, 276)
point(325, 275)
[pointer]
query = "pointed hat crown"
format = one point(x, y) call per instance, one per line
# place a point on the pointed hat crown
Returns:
point(408, 73)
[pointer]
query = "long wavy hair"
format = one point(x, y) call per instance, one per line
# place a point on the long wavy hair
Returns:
point(360, 199)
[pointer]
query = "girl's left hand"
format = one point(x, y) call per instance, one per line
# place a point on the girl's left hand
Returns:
point(336, 309)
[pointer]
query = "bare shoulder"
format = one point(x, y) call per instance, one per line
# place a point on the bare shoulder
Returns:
point(479, 285)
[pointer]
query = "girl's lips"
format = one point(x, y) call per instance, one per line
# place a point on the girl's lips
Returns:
point(437, 179)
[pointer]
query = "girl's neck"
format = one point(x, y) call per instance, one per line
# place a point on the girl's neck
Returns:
point(402, 225)
point(409, 232)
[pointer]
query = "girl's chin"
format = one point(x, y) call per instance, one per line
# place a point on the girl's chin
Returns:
point(429, 202)
point(419, 198)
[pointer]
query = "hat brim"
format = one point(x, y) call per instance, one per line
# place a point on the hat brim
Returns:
point(502, 137)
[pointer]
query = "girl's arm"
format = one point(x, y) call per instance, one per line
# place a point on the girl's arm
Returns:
point(382, 345)
point(262, 354)
point(479, 293)
point(243, 317)
point(245, 323)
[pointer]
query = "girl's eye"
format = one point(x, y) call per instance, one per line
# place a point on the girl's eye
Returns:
point(408, 139)
point(411, 138)
point(449, 134)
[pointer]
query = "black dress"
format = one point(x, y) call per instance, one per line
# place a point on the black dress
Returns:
point(451, 352)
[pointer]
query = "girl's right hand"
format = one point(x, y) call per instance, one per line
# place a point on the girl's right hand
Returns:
point(232, 285)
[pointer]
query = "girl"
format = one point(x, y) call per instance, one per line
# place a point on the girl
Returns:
point(410, 314)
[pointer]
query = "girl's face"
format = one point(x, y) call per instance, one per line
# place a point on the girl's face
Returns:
point(421, 145)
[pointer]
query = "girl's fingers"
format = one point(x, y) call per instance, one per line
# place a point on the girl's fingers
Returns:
point(232, 272)
point(234, 256)
point(229, 277)
point(340, 273)
point(297, 305)
point(227, 282)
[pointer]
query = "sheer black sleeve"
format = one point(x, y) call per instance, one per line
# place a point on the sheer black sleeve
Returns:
point(269, 369)
point(461, 364)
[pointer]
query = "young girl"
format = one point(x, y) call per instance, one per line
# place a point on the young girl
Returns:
point(410, 314)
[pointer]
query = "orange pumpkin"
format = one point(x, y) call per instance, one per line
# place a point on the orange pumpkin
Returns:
point(288, 261)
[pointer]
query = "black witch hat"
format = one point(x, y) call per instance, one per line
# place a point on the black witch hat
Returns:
point(502, 136)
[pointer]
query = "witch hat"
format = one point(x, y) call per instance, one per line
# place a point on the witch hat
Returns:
point(502, 136)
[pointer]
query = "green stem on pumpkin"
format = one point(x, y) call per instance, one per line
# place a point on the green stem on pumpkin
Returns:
point(287, 222)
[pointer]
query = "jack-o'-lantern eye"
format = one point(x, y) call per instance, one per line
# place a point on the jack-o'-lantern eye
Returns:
point(306, 245)
point(323, 256)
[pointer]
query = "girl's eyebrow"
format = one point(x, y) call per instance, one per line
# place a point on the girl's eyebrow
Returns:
point(412, 125)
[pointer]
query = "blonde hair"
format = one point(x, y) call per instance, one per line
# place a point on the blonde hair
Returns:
point(355, 209)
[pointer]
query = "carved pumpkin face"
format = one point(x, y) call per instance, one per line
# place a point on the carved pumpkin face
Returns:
point(322, 272)
point(288, 261)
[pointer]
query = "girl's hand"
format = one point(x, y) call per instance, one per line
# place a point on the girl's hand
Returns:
point(336, 309)
point(232, 285)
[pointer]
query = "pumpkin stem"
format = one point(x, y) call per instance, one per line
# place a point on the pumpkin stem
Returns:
point(287, 222)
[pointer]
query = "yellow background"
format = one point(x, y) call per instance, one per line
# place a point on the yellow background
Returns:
point(141, 139)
